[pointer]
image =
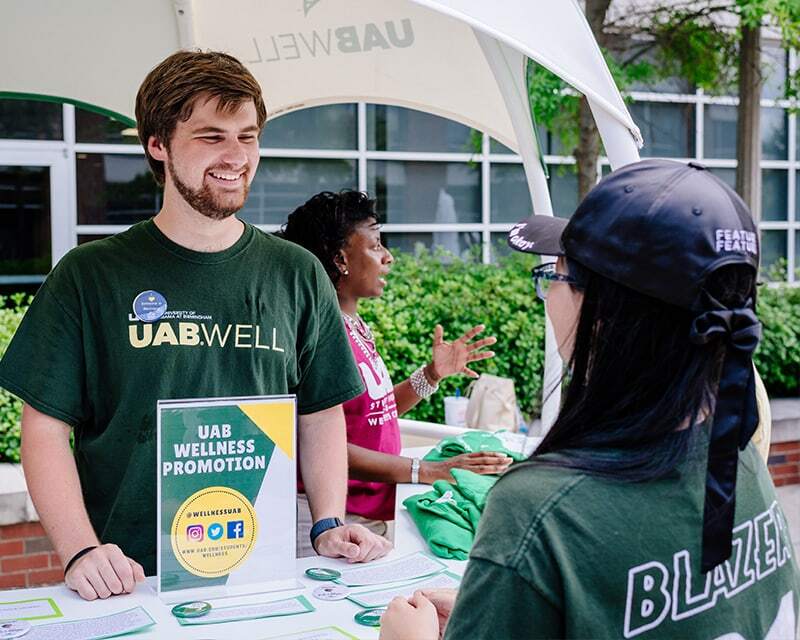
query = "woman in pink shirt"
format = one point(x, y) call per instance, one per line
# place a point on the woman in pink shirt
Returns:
point(342, 230)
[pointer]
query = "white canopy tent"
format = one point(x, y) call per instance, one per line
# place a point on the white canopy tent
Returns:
point(460, 59)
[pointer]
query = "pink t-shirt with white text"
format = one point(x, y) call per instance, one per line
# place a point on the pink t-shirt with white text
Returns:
point(371, 423)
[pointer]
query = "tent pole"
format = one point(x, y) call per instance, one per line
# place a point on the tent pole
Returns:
point(619, 142)
point(184, 16)
point(508, 66)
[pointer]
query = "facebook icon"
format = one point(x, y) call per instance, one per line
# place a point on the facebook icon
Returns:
point(235, 529)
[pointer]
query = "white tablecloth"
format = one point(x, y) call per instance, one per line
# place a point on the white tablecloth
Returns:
point(340, 613)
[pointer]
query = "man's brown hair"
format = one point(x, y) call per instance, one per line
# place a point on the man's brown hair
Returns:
point(169, 92)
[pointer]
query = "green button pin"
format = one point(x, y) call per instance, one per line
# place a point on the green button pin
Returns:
point(323, 573)
point(370, 617)
point(191, 609)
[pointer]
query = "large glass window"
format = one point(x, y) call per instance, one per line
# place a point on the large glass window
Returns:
point(719, 131)
point(115, 189)
point(550, 144)
point(397, 129)
point(511, 200)
point(726, 174)
point(24, 221)
point(397, 154)
point(797, 196)
point(425, 192)
point(773, 249)
point(774, 133)
point(774, 194)
point(328, 127)
point(283, 184)
point(30, 119)
point(94, 127)
point(667, 128)
point(773, 66)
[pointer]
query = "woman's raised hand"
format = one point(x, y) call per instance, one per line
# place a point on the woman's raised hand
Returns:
point(450, 358)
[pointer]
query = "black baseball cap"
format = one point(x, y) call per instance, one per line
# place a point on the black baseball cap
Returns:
point(661, 227)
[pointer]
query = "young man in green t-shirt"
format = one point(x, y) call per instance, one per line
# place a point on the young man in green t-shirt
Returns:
point(192, 303)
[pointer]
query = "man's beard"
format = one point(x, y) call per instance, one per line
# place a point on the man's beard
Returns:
point(203, 200)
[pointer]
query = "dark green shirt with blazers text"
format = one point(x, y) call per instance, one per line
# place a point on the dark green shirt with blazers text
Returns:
point(258, 318)
point(561, 554)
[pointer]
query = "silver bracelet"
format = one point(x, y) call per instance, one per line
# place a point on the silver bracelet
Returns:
point(420, 384)
point(415, 470)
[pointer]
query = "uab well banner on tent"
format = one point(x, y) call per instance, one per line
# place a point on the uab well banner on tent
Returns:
point(226, 496)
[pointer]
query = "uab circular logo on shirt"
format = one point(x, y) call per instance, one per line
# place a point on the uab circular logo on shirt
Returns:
point(149, 306)
point(214, 531)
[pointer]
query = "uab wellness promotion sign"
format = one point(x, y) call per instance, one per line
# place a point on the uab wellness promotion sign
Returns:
point(227, 496)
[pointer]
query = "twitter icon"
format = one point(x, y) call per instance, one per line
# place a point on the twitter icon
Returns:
point(214, 531)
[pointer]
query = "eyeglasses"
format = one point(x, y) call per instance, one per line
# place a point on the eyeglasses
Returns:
point(544, 275)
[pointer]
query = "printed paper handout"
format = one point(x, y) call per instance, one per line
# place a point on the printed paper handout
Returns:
point(115, 624)
point(382, 597)
point(410, 567)
point(285, 607)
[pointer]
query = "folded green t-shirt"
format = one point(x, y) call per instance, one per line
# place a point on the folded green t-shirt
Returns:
point(471, 442)
point(447, 516)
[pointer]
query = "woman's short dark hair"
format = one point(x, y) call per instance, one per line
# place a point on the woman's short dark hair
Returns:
point(324, 223)
point(635, 379)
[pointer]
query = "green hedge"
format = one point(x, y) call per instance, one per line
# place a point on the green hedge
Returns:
point(12, 309)
point(778, 355)
point(427, 288)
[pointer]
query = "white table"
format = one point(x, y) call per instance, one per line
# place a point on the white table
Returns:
point(340, 613)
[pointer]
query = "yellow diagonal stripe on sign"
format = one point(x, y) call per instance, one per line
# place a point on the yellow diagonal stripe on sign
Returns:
point(276, 420)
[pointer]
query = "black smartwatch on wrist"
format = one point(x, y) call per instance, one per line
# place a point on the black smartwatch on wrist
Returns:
point(321, 526)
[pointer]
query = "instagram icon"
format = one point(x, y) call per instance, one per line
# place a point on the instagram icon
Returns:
point(194, 533)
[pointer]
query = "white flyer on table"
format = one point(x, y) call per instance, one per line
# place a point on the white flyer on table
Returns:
point(410, 567)
point(109, 626)
point(326, 633)
point(382, 597)
point(32, 609)
point(286, 607)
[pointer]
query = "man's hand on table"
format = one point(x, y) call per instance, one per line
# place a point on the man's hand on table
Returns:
point(354, 542)
point(103, 572)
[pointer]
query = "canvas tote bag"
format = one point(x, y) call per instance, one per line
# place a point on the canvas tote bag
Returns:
point(492, 404)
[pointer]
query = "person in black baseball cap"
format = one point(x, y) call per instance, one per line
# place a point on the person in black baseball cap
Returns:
point(644, 512)
point(666, 229)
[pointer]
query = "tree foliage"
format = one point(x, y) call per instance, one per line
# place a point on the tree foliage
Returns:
point(695, 40)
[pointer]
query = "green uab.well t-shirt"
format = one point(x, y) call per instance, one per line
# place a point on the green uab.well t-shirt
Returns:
point(258, 318)
point(560, 554)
